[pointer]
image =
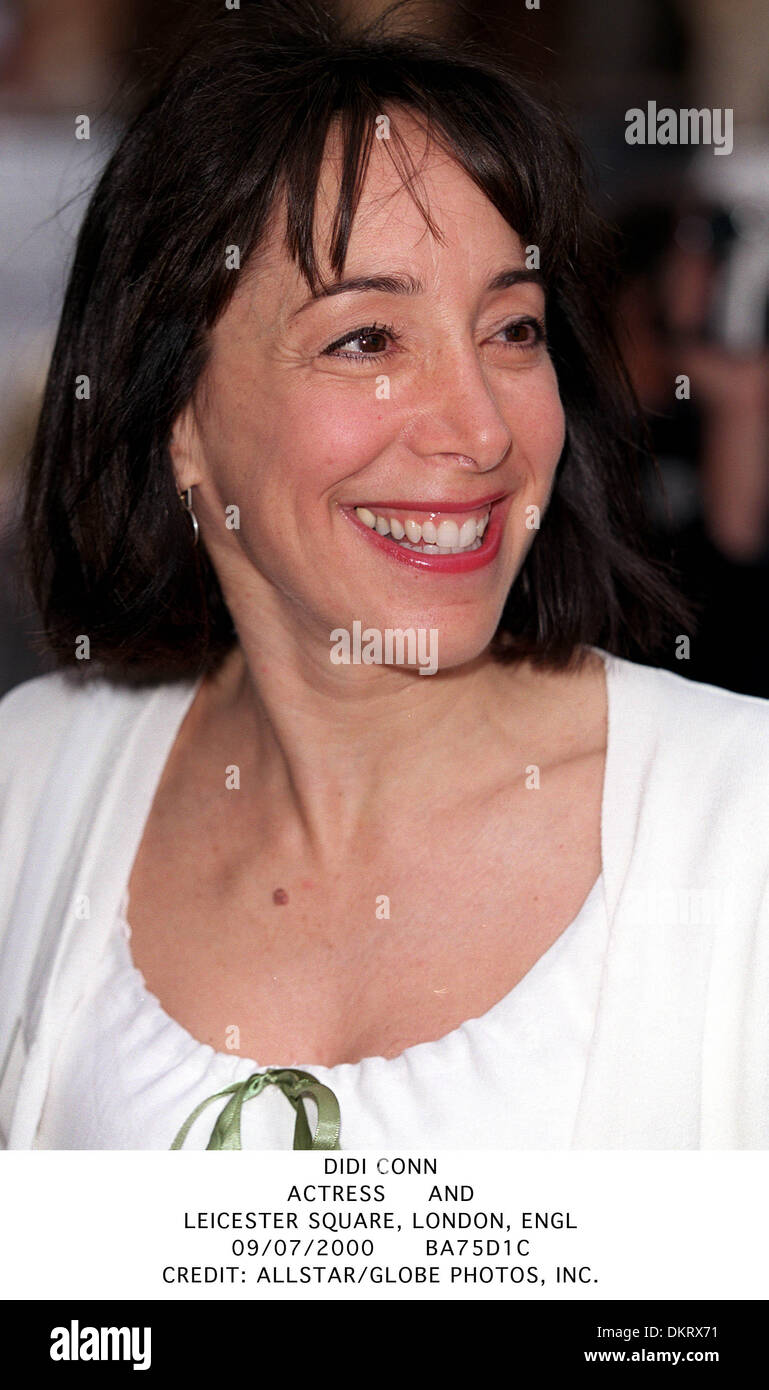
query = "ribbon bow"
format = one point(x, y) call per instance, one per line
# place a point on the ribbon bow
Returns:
point(294, 1085)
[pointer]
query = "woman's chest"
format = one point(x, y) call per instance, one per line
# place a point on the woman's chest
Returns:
point(372, 955)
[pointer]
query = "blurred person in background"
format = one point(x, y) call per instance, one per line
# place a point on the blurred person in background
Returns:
point(694, 320)
point(58, 59)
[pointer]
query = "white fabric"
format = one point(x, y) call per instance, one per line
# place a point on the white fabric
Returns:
point(127, 1075)
point(679, 1051)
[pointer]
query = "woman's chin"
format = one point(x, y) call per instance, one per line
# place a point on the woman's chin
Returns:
point(419, 644)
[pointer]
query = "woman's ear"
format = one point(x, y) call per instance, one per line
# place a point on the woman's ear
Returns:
point(184, 447)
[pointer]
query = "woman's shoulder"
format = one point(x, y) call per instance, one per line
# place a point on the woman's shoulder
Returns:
point(701, 746)
point(665, 694)
point(687, 802)
point(36, 714)
point(46, 697)
point(59, 715)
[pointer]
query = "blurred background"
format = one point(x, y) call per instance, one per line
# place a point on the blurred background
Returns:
point(692, 304)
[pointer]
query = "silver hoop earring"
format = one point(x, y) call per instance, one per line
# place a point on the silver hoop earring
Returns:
point(186, 500)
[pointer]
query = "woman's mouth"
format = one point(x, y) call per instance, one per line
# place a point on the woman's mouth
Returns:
point(449, 537)
point(428, 534)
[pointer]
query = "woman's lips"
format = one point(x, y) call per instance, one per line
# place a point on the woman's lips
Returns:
point(461, 561)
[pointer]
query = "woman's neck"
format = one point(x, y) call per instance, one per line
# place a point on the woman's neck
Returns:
point(340, 752)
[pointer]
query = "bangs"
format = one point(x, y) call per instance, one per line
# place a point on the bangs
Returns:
point(519, 160)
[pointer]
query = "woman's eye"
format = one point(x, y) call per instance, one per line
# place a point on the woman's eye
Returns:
point(373, 341)
point(524, 333)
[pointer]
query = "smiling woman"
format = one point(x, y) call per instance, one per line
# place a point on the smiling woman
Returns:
point(340, 301)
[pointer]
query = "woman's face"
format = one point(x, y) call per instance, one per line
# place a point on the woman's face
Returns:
point(385, 445)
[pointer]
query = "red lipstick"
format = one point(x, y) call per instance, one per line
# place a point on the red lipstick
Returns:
point(460, 563)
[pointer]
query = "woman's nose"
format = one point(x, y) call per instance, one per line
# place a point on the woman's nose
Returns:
point(454, 411)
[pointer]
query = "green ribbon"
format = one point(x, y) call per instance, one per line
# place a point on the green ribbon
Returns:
point(294, 1085)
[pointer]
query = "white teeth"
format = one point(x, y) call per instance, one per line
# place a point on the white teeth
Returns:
point(447, 538)
point(448, 533)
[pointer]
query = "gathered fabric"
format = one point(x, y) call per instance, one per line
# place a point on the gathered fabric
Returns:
point(127, 1074)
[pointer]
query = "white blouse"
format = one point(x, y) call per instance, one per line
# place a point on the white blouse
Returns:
point(667, 970)
point(126, 1075)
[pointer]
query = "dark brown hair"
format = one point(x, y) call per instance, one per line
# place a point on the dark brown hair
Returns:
point(239, 116)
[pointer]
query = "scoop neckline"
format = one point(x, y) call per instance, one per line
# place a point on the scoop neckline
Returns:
point(473, 1024)
point(610, 670)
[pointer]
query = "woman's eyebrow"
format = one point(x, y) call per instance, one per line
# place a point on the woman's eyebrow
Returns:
point(398, 283)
